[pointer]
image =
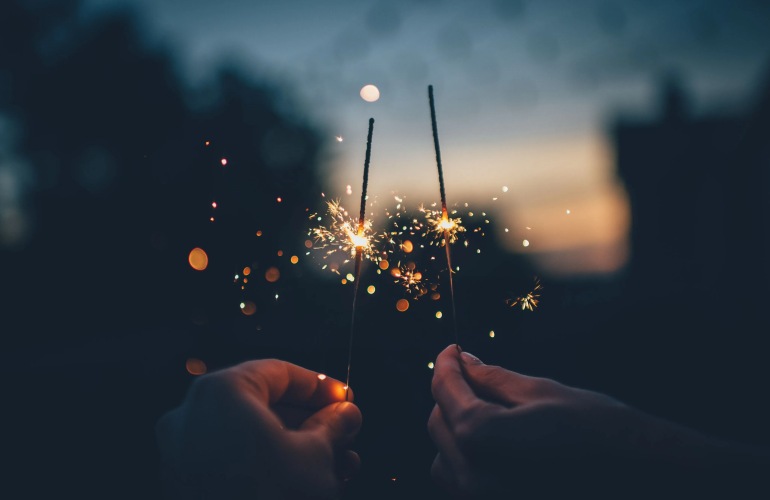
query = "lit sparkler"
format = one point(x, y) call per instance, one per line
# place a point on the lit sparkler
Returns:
point(445, 229)
point(446, 224)
point(344, 234)
point(360, 245)
point(530, 300)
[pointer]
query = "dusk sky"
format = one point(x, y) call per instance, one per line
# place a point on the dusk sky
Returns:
point(525, 92)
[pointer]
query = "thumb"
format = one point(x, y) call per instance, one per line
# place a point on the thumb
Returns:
point(337, 422)
point(495, 383)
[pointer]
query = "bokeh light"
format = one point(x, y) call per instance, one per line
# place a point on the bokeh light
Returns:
point(195, 366)
point(248, 308)
point(402, 305)
point(370, 93)
point(198, 259)
point(272, 274)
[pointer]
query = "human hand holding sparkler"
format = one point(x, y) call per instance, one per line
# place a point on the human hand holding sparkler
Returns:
point(502, 433)
point(262, 429)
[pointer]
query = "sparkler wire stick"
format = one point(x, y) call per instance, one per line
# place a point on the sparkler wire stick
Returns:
point(359, 251)
point(444, 214)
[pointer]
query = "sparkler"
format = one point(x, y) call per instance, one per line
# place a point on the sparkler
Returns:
point(360, 243)
point(528, 301)
point(446, 225)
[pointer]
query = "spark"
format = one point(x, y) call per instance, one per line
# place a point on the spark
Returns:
point(411, 279)
point(339, 138)
point(343, 235)
point(443, 228)
point(529, 301)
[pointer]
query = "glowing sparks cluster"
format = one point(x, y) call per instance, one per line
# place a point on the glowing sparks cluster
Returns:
point(528, 301)
point(410, 278)
point(441, 227)
point(341, 234)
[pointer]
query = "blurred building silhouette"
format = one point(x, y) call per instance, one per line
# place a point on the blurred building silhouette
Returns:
point(699, 190)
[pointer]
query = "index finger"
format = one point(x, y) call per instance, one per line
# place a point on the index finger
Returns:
point(450, 390)
point(273, 381)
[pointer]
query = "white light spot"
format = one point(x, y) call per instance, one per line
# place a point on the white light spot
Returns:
point(370, 93)
point(348, 189)
point(339, 139)
point(569, 211)
point(505, 189)
point(525, 243)
point(431, 365)
point(491, 334)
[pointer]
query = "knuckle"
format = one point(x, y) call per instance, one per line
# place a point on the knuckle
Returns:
point(468, 424)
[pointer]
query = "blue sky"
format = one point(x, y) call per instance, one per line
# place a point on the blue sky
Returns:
point(524, 93)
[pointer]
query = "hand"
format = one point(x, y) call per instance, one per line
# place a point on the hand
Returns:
point(500, 432)
point(261, 429)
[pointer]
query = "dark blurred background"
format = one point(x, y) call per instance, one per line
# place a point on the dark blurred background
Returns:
point(112, 172)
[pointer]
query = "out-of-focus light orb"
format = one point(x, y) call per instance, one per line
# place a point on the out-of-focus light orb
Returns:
point(321, 376)
point(431, 365)
point(195, 366)
point(246, 271)
point(279, 199)
point(208, 143)
point(223, 161)
point(402, 305)
point(294, 259)
point(350, 277)
point(272, 274)
point(407, 246)
point(384, 264)
point(308, 244)
point(439, 314)
point(259, 233)
point(525, 243)
point(569, 211)
point(370, 289)
point(248, 308)
point(491, 334)
point(348, 189)
point(435, 296)
point(279, 253)
point(505, 189)
point(339, 138)
point(214, 204)
point(506, 229)
point(370, 93)
point(198, 259)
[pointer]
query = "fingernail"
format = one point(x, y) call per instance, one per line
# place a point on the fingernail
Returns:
point(470, 358)
point(349, 415)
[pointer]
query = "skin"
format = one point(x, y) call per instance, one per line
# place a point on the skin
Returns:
point(261, 429)
point(503, 434)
